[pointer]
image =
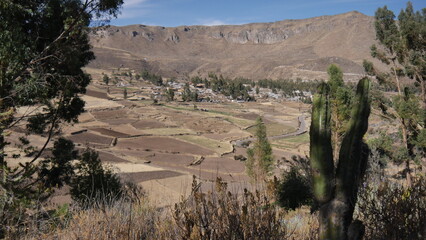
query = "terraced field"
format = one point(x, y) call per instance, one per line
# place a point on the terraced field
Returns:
point(160, 146)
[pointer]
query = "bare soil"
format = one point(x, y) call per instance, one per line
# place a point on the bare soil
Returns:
point(163, 161)
point(163, 144)
point(110, 114)
point(109, 132)
point(146, 124)
point(97, 94)
point(110, 158)
point(119, 121)
point(90, 139)
point(146, 176)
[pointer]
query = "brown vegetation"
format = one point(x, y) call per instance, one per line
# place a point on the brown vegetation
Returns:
point(217, 214)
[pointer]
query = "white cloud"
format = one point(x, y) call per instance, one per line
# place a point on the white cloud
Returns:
point(134, 9)
point(129, 3)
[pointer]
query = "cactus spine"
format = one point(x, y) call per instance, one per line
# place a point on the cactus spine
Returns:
point(335, 189)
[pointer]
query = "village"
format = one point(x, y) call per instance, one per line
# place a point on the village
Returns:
point(133, 88)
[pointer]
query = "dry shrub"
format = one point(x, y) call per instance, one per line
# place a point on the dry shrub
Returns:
point(301, 224)
point(294, 190)
point(119, 220)
point(393, 212)
point(222, 215)
point(218, 214)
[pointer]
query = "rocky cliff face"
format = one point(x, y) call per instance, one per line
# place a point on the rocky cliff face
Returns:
point(285, 49)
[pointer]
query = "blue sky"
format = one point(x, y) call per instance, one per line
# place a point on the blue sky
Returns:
point(172, 13)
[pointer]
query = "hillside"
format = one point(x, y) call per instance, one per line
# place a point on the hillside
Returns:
point(284, 49)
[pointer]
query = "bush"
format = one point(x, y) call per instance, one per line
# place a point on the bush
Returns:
point(94, 181)
point(391, 211)
point(121, 219)
point(218, 214)
point(294, 190)
point(223, 215)
point(105, 79)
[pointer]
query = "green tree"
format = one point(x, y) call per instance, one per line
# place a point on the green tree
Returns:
point(387, 34)
point(294, 190)
point(94, 182)
point(335, 77)
point(30, 185)
point(404, 49)
point(259, 163)
point(154, 79)
point(57, 170)
point(105, 79)
point(412, 54)
point(194, 96)
point(170, 94)
point(383, 144)
point(340, 99)
point(186, 94)
point(44, 45)
point(125, 93)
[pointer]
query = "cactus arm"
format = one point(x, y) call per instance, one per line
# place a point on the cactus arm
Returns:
point(352, 157)
point(321, 152)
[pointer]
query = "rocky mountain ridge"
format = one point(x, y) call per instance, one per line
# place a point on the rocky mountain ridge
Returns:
point(285, 49)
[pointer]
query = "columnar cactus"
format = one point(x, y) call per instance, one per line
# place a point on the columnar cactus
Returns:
point(335, 188)
point(321, 151)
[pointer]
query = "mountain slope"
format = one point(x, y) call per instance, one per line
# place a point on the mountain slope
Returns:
point(284, 49)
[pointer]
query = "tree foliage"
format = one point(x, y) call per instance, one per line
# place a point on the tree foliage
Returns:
point(106, 79)
point(259, 163)
point(44, 45)
point(392, 211)
point(94, 182)
point(335, 77)
point(58, 170)
point(125, 93)
point(170, 94)
point(153, 78)
point(234, 88)
point(294, 190)
point(188, 95)
point(341, 100)
point(403, 47)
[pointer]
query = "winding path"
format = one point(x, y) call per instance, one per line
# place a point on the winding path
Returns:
point(299, 131)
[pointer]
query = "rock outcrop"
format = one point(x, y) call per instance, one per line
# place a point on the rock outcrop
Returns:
point(285, 49)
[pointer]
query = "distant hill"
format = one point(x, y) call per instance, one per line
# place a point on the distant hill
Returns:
point(285, 49)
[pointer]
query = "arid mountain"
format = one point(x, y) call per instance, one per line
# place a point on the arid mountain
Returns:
point(285, 49)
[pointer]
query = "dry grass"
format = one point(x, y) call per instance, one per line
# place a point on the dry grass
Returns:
point(167, 131)
point(217, 214)
point(291, 142)
point(214, 145)
point(301, 224)
point(240, 122)
point(273, 129)
point(122, 220)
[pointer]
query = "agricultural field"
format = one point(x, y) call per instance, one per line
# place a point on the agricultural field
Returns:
point(161, 145)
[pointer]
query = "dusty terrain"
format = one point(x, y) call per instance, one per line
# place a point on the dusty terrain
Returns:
point(285, 49)
point(160, 146)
